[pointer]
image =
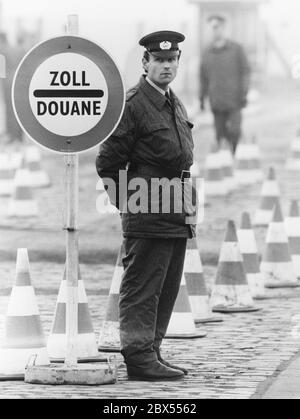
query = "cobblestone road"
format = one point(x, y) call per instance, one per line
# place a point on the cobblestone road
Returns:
point(235, 357)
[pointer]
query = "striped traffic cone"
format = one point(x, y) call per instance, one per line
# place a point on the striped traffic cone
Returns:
point(250, 255)
point(22, 203)
point(181, 325)
point(292, 226)
point(23, 335)
point(39, 178)
point(226, 160)
point(277, 266)
point(231, 293)
point(109, 340)
point(86, 345)
point(244, 165)
point(215, 184)
point(293, 161)
point(270, 196)
point(196, 286)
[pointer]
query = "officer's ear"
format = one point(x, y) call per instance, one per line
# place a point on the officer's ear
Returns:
point(179, 54)
point(145, 61)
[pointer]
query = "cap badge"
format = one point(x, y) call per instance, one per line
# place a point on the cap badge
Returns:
point(165, 45)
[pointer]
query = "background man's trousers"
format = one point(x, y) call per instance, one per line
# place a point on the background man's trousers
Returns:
point(150, 284)
point(228, 126)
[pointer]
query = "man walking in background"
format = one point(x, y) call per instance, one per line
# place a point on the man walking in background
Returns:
point(224, 78)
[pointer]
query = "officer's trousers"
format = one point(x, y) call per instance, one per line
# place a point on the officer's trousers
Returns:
point(228, 126)
point(150, 284)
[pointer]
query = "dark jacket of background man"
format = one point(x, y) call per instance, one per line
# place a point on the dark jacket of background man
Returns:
point(225, 75)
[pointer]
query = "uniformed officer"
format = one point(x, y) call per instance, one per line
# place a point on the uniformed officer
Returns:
point(152, 141)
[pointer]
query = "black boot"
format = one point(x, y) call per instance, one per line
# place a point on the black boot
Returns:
point(167, 364)
point(154, 371)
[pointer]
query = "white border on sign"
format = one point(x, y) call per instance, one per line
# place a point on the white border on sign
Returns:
point(13, 88)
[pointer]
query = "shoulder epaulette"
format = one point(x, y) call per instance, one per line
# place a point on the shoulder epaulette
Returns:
point(131, 93)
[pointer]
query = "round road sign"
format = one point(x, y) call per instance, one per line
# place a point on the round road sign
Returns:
point(68, 94)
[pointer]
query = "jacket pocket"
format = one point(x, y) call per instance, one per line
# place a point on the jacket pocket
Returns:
point(156, 126)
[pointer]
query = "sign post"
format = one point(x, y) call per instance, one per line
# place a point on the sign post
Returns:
point(71, 187)
point(68, 96)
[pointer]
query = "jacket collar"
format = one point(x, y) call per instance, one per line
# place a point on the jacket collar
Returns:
point(154, 95)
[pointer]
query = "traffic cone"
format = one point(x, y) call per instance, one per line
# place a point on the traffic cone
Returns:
point(292, 226)
point(87, 350)
point(196, 286)
point(231, 293)
point(293, 161)
point(6, 180)
point(250, 255)
point(215, 184)
point(23, 334)
point(109, 340)
point(22, 203)
point(270, 196)
point(277, 266)
point(39, 178)
point(226, 160)
point(181, 325)
point(244, 165)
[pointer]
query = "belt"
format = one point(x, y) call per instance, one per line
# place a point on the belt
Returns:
point(157, 171)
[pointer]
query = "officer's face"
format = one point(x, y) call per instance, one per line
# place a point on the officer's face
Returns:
point(161, 70)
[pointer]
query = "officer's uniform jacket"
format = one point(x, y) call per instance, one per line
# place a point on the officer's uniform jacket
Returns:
point(149, 136)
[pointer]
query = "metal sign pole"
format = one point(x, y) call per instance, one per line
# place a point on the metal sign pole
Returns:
point(72, 252)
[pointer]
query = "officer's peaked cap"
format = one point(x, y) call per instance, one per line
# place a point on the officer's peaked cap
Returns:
point(162, 42)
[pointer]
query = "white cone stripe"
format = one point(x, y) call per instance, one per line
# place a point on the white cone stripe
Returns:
point(231, 295)
point(230, 252)
point(293, 164)
point(23, 208)
point(292, 226)
point(263, 217)
point(276, 233)
point(215, 188)
point(247, 241)
point(86, 345)
point(183, 281)
point(226, 158)
point(243, 152)
point(22, 302)
point(192, 262)
point(256, 284)
point(296, 263)
point(33, 154)
point(278, 272)
point(116, 281)
point(270, 188)
point(39, 179)
point(212, 162)
point(181, 323)
point(62, 295)
point(14, 361)
point(245, 177)
point(200, 306)
point(22, 260)
point(23, 178)
point(295, 146)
